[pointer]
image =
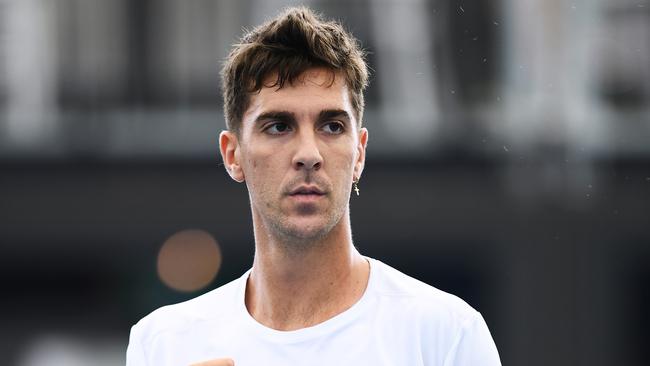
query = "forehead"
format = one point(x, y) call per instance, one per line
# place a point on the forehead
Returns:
point(313, 91)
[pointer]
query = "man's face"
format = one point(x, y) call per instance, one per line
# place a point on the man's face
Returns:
point(299, 150)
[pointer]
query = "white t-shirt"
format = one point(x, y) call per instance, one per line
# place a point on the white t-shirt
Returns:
point(398, 321)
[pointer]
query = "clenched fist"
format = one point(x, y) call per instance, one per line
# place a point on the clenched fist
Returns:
point(216, 362)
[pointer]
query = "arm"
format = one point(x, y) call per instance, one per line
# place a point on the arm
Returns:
point(134, 351)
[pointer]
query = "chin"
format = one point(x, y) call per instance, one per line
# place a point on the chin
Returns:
point(306, 230)
point(309, 231)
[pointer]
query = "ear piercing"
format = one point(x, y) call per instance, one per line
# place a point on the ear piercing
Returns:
point(356, 186)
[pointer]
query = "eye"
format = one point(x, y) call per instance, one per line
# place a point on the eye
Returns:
point(333, 128)
point(277, 128)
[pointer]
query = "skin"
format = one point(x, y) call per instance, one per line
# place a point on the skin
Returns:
point(306, 269)
point(216, 362)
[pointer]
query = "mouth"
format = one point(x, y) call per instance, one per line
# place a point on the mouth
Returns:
point(307, 193)
point(307, 190)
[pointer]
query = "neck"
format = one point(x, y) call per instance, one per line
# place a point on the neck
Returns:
point(293, 289)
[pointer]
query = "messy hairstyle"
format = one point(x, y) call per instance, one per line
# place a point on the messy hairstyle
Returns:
point(288, 45)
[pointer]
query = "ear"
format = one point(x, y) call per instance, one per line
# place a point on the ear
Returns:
point(361, 153)
point(229, 147)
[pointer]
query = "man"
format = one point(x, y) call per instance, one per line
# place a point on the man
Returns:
point(293, 94)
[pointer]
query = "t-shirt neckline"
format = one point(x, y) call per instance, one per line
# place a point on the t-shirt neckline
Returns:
point(304, 334)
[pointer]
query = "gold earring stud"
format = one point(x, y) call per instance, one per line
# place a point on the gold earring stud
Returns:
point(356, 186)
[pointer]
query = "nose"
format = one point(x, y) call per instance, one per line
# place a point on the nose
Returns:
point(307, 155)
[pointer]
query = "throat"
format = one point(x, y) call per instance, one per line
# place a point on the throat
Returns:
point(295, 301)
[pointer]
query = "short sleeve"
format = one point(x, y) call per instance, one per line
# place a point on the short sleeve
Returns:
point(473, 346)
point(134, 351)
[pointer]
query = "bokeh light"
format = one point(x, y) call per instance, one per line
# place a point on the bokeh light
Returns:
point(189, 260)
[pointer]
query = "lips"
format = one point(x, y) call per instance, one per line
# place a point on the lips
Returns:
point(306, 191)
point(307, 197)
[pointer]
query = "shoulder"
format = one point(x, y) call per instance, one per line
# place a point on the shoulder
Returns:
point(420, 298)
point(449, 330)
point(218, 303)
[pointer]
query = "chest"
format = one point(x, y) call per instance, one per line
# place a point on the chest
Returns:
point(361, 343)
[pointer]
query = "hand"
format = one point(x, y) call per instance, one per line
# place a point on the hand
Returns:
point(216, 362)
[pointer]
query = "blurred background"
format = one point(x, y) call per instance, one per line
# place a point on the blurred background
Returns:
point(508, 163)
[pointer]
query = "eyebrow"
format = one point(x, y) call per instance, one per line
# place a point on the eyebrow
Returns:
point(283, 116)
point(334, 113)
point(287, 117)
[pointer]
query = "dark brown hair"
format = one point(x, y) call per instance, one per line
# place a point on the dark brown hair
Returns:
point(296, 40)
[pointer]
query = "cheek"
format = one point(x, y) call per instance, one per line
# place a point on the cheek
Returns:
point(255, 169)
point(255, 162)
point(350, 157)
point(262, 170)
point(343, 164)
